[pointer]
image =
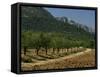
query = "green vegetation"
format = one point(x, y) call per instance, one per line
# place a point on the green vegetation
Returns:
point(37, 40)
point(42, 31)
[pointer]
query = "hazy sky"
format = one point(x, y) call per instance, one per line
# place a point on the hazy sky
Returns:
point(86, 17)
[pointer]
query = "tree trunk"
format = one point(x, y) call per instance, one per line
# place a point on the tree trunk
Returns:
point(46, 51)
point(58, 50)
point(53, 50)
point(25, 49)
point(37, 51)
point(68, 49)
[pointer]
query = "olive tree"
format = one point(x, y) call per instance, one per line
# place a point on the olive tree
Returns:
point(45, 41)
point(26, 41)
point(37, 44)
point(58, 44)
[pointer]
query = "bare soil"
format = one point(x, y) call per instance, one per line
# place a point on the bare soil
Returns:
point(81, 59)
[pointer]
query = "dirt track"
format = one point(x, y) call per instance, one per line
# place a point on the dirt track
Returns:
point(30, 66)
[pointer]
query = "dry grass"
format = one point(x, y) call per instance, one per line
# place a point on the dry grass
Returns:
point(81, 59)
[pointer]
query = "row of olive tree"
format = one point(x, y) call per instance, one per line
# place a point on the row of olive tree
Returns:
point(38, 41)
point(30, 41)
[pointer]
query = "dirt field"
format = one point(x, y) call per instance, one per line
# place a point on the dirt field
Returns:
point(81, 59)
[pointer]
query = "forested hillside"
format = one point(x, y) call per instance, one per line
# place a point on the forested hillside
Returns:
point(38, 23)
point(39, 19)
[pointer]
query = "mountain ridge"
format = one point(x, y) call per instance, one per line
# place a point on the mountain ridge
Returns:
point(39, 19)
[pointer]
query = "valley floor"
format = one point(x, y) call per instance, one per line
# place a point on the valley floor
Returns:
point(81, 59)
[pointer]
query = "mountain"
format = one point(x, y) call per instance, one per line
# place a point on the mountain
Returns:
point(38, 19)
